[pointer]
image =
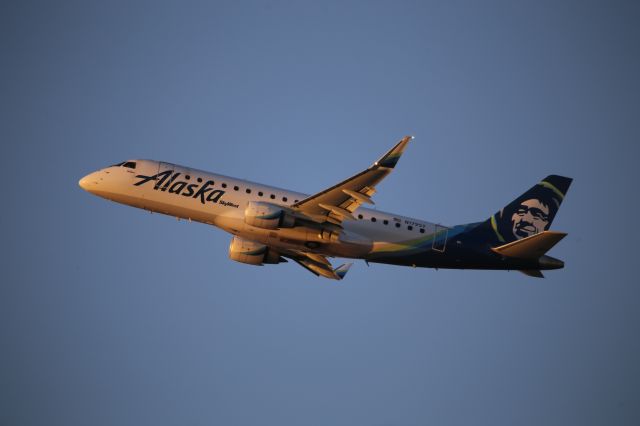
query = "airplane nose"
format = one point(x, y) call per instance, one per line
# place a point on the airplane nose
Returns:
point(84, 183)
point(87, 182)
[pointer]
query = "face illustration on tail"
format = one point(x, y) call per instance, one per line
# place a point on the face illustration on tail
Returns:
point(530, 218)
point(530, 213)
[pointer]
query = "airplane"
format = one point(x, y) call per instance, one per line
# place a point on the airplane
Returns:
point(270, 225)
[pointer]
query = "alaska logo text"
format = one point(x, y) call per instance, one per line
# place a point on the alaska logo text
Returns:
point(168, 181)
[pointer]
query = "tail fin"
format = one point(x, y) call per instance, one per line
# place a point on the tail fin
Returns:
point(532, 212)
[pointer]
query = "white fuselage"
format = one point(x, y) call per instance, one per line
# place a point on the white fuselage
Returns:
point(221, 200)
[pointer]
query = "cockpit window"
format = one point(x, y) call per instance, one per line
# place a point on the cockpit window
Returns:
point(130, 164)
point(117, 165)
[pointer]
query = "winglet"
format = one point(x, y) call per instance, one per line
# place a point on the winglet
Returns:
point(390, 159)
point(342, 270)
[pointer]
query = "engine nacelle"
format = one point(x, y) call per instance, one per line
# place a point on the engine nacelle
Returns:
point(253, 253)
point(267, 216)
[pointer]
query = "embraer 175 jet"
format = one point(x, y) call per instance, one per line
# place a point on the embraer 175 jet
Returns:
point(270, 225)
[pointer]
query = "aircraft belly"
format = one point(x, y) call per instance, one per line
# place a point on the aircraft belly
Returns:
point(458, 259)
point(305, 239)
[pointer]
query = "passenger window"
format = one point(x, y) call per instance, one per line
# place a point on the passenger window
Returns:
point(409, 227)
point(224, 185)
point(235, 188)
point(386, 222)
point(359, 216)
point(284, 199)
point(273, 197)
point(260, 194)
point(248, 191)
point(397, 225)
point(422, 230)
point(373, 219)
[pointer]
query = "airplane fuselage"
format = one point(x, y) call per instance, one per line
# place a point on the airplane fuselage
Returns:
point(372, 235)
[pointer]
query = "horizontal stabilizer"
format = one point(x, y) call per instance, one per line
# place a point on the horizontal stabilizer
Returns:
point(536, 273)
point(532, 247)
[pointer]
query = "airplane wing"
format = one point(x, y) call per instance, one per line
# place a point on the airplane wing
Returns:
point(320, 266)
point(339, 202)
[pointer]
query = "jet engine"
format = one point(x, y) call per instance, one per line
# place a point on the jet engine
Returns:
point(253, 253)
point(267, 216)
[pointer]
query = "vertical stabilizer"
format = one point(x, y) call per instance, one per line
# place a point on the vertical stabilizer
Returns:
point(532, 212)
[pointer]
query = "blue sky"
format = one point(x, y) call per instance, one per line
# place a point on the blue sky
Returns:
point(109, 315)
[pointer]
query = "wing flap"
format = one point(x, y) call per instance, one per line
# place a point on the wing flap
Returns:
point(337, 211)
point(358, 196)
point(318, 265)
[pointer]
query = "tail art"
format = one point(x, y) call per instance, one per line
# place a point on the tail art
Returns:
point(532, 212)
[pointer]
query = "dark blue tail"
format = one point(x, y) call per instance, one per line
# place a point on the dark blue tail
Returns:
point(530, 213)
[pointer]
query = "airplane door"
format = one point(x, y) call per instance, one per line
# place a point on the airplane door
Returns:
point(440, 239)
